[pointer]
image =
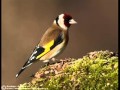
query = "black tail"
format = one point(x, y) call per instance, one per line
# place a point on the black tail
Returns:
point(20, 72)
point(23, 68)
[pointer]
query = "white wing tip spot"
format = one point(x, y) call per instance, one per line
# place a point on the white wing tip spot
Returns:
point(16, 75)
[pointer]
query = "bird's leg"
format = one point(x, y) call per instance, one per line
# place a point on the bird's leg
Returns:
point(47, 63)
point(63, 61)
point(33, 75)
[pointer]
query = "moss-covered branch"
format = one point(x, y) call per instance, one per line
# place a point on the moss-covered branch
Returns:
point(97, 70)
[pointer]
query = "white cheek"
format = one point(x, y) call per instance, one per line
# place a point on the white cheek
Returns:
point(61, 22)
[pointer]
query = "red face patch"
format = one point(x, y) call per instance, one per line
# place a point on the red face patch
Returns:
point(67, 18)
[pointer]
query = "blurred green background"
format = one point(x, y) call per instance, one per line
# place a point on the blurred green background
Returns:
point(25, 21)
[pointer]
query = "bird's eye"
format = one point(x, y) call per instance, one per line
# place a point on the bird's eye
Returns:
point(67, 20)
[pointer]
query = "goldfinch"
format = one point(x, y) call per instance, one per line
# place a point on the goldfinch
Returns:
point(52, 42)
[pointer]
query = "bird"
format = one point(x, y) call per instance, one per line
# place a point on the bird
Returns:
point(53, 41)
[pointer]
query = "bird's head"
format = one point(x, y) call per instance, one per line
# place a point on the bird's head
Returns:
point(64, 21)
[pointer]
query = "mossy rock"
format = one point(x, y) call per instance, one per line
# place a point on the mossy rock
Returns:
point(97, 70)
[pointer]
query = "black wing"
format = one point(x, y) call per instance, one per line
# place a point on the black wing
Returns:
point(38, 50)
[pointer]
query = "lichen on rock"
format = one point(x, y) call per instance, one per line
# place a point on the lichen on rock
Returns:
point(97, 70)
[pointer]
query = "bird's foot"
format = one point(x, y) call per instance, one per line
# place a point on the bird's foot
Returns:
point(33, 75)
point(46, 64)
point(63, 61)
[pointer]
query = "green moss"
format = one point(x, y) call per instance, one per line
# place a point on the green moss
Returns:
point(96, 71)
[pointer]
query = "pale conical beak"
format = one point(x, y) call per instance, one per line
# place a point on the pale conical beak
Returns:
point(72, 21)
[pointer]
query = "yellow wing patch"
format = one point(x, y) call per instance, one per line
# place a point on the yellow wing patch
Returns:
point(47, 49)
